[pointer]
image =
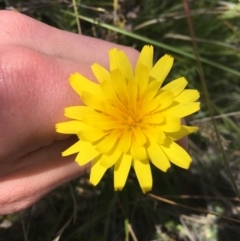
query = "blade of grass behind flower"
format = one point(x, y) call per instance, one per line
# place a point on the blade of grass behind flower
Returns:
point(153, 42)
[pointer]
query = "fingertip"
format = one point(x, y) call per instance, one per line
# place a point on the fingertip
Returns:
point(183, 142)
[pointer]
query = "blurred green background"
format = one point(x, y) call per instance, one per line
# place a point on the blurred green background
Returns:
point(199, 204)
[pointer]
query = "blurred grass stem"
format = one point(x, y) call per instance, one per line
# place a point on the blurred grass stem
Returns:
point(202, 78)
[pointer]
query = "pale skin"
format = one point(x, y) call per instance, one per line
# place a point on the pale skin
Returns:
point(35, 63)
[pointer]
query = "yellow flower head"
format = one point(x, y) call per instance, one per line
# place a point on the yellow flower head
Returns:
point(129, 118)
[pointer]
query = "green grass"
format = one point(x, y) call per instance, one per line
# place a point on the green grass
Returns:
point(195, 204)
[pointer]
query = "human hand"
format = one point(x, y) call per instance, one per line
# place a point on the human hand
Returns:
point(35, 63)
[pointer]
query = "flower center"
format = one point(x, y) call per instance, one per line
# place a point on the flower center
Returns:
point(131, 121)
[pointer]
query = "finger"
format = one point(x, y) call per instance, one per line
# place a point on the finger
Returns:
point(19, 29)
point(44, 170)
point(34, 91)
point(183, 142)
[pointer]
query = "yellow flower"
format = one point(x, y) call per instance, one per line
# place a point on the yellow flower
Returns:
point(129, 118)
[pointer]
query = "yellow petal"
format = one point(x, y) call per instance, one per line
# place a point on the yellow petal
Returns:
point(144, 175)
point(110, 159)
point(147, 108)
point(95, 117)
point(108, 142)
point(77, 112)
point(70, 127)
point(97, 172)
point(111, 95)
point(100, 73)
point(110, 124)
point(145, 58)
point(187, 96)
point(119, 60)
point(79, 83)
point(139, 135)
point(124, 65)
point(153, 119)
point(165, 98)
point(119, 84)
point(125, 140)
point(185, 130)
point(72, 149)
point(121, 170)
point(138, 152)
point(176, 86)
point(108, 91)
point(132, 90)
point(91, 134)
point(182, 110)
point(158, 157)
point(155, 134)
point(150, 91)
point(86, 153)
point(171, 124)
point(111, 111)
point(176, 154)
point(142, 78)
point(91, 100)
point(113, 59)
point(161, 69)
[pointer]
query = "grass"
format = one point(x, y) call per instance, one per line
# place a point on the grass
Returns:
point(198, 204)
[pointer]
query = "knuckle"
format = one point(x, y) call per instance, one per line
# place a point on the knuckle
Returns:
point(13, 24)
point(15, 89)
point(16, 63)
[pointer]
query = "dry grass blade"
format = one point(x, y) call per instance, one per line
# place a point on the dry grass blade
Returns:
point(77, 19)
point(200, 210)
